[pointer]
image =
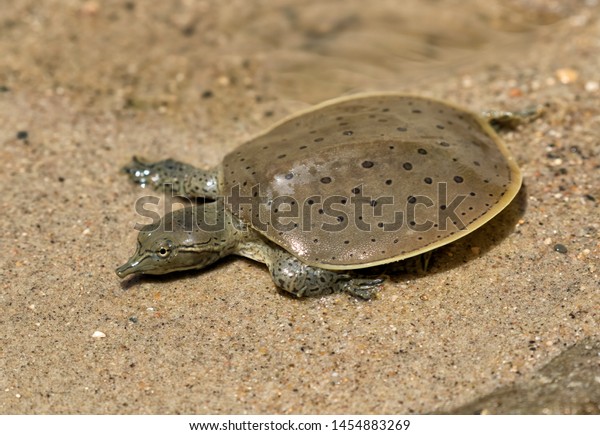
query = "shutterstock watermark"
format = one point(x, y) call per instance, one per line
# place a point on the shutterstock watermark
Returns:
point(357, 211)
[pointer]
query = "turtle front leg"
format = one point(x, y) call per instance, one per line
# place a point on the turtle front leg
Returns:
point(295, 277)
point(186, 180)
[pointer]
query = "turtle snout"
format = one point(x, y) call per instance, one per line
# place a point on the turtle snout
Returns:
point(133, 265)
point(126, 269)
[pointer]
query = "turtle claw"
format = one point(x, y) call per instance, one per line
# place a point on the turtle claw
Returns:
point(364, 288)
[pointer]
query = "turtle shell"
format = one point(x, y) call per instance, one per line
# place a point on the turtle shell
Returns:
point(370, 179)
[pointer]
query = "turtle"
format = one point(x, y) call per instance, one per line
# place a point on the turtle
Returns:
point(349, 184)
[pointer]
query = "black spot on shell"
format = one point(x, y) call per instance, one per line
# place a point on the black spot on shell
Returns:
point(388, 182)
point(281, 156)
point(401, 129)
point(356, 190)
point(346, 242)
point(411, 199)
point(458, 179)
point(427, 180)
point(422, 151)
point(443, 143)
point(326, 180)
point(340, 218)
point(476, 163)
point(408, 166)
point(441, 127)
point(289, 176)
point(373, 203)
point(348, 133)
point(416, 111)
point(385, 110)
point(367, 164)
point(311, 202)
point(319, 139)
point(303, 147)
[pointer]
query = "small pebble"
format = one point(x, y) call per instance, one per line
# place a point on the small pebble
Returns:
point(592, 86)
point(476, 250)
point(566, 75)
point(90, 8)
point(560, 248)
point(224, 81)
point(98, 334)
point(22, 135)
point(515, 92)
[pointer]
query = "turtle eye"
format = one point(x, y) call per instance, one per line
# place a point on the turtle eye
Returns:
point(164, 250)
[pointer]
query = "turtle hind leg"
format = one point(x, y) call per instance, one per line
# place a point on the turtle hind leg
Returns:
point(301, 280)
point(504, 120)
point(183, 179)
point(417, 265)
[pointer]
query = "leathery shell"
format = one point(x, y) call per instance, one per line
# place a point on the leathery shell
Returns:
point(370, 179)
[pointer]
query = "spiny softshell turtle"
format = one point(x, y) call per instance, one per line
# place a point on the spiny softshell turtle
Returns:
point(350, 183)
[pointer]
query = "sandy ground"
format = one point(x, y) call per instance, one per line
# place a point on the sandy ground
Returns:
point(502, 318)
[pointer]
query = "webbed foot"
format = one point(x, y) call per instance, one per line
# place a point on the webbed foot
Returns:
point(182, 178)
point(364, 288)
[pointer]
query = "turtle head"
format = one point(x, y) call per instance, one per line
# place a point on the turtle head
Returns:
point(189, 238)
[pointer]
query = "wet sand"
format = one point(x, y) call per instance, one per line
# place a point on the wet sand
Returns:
point(86, 85)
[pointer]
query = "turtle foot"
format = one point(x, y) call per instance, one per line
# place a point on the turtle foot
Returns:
point(364, 288)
